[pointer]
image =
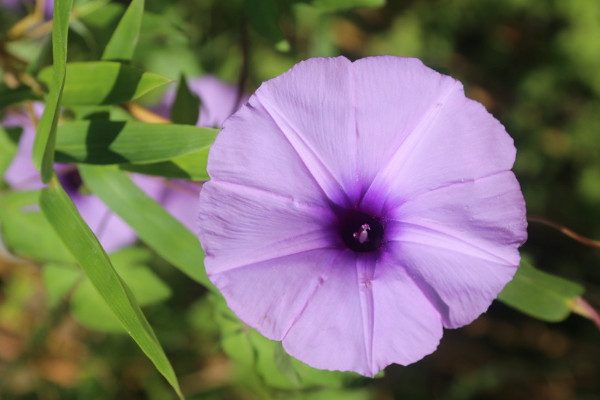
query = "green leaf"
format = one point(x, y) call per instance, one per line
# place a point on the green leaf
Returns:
point(10, 96)
point(9, 143)
point(87, 305)
point(186, 106)
point(43, 147)
point(103, 82)
point(113, 142)
point(81, 242)
point(59, 279)
point(540, 294)
point(190, 166)
point(338, 5)
point(155, 226)
point(263, 15)
point(124, 39)
point(21, 220)
point(91, 310)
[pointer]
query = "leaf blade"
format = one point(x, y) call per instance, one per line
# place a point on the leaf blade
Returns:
point(121, 45)
point(103, 83)
point(116, 142)
point(186, 106)
point(541, 295)
point(83, 244)
point(43, 147)
point(155, 226)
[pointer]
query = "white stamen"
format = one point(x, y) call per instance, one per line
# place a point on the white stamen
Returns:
point(363, 234)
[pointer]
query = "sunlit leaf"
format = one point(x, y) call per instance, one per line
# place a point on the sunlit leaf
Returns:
point(59, 279)
point(103, 82)
point(190, 166)
point(87, 305)
point(92, 311)
point(81, 242)
point(124, 39)
point(112, 142)
point(155, 226)
point(43, 147)
point(541, 295)
point(21, 220)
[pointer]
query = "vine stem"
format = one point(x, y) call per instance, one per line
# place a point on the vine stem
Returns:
point(566, 231)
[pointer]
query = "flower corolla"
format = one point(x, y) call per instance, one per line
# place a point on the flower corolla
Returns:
point(355, 209)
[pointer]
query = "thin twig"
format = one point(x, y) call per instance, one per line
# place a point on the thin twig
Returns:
point(143, 114)
point(566, 231)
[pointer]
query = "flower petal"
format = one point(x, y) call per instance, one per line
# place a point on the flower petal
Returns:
point(334, 330)
point(461, 242)
point(317, 119)
point(21, 174)
point(456, 140)
point(251, 151)
point(395, 97)
point(242, 226)
point(407, 326)
point(269, 295)
point(364, 318)
point(112, 232)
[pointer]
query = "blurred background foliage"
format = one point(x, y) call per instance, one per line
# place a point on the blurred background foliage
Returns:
point(533, 63)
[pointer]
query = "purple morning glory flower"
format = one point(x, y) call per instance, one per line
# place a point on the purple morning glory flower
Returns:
point(110, 229)
point(218, 101)
point(18, 5)
point(357, 208)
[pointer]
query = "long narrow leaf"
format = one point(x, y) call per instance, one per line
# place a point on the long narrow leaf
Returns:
point(155, 226)
point(83, 244)
point(43, 148)
point(190, 166)
point(124, 39)
point(116, 142)
point(103, 82)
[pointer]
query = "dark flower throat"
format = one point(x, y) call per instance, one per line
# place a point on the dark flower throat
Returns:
point(361, 232)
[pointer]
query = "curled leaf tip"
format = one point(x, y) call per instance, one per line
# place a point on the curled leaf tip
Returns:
point(583, 308)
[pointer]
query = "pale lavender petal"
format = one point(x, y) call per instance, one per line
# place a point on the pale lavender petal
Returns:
point(406, 326)
point(461, 242)
point(394, 98)
point(251, 151)
point(21, 174)
point(258, 224)
point(334, 330)
point(218, 100)
point(112, 232)
point(270, 295)
point(455, 140)
point(180, 199)
point(316, 117)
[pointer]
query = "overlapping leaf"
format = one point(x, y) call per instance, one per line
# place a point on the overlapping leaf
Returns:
point(84, 246)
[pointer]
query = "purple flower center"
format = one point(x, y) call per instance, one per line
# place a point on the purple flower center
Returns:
point(71, 181)
point(360, 231)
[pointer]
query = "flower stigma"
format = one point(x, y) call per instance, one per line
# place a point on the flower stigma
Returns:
point(361, 232)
